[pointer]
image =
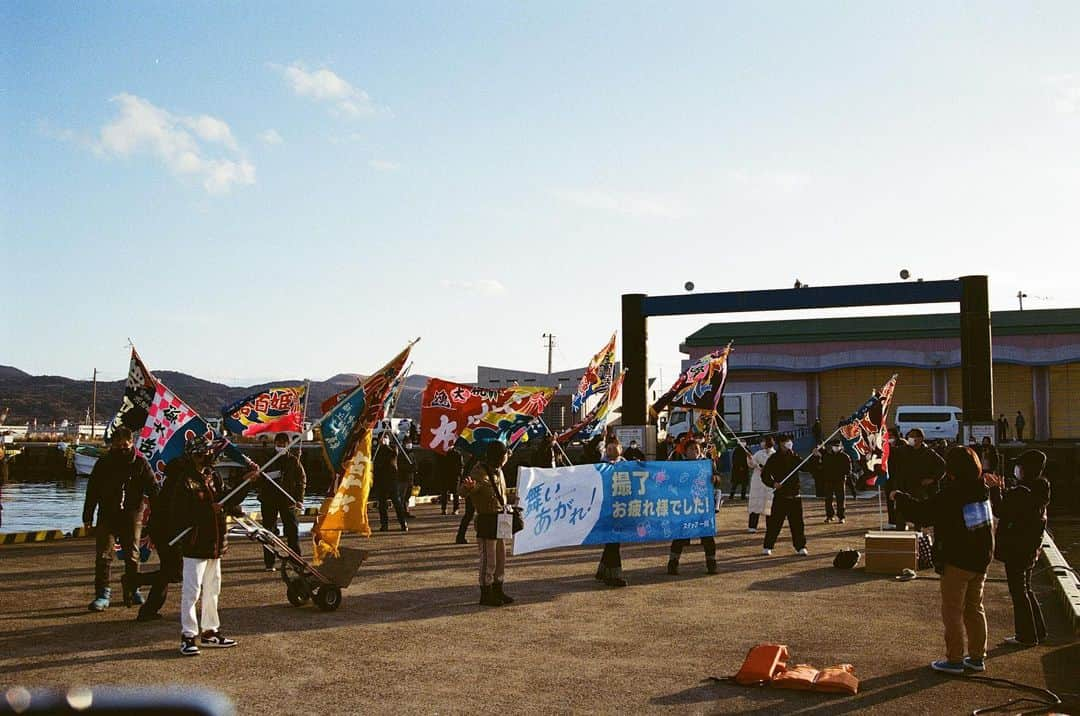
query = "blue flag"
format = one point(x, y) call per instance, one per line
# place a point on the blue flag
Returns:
point(341, 428)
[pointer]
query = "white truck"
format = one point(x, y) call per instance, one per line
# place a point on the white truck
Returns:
point(744, 413)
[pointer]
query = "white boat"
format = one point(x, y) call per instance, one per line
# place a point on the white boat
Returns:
point(81, 457)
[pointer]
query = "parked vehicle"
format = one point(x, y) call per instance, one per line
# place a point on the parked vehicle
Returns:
point(745, 413)
point(936, 421)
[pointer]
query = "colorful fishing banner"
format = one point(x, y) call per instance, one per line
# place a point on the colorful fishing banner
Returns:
point(453, 414)
point(138, 395)
point(701, 386)
point(596, 420)
point(277, 409)
point(615, 502)
point(597, 377)
point(865, 435)
point(345, 434)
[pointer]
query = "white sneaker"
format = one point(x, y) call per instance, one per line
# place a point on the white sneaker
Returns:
point(802, 552)
point(751, 530)
point(766, 551)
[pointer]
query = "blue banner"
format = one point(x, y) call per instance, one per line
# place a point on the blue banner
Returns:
point(626, 501)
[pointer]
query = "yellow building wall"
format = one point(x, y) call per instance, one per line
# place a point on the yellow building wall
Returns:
point(1012, 392)
point(841, 391)
point(1065, 401)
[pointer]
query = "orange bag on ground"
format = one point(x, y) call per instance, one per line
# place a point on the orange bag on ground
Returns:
point(800, 677)
point(839, 679)
point(762, 663)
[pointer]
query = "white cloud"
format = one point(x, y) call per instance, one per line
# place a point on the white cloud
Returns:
point(143, 128)
point(383, 165)
point(628, 204)
point(1066, 89)
point(483, 286)
point(324, 85)
point(270, 136)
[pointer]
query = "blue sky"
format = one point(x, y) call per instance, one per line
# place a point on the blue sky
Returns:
point(260, 190)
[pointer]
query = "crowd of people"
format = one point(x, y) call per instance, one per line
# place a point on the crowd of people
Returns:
point(957, 491)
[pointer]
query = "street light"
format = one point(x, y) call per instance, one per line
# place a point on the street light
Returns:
point(1020, 296)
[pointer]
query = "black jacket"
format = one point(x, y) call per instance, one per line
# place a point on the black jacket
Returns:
point(386, 465)
point(962, 518)
point(293, 478)
point(777, 468)
point(1021, 521)
point(909, 466)
point(194, 504)
point(832, 467)
point(448, 469)
point(740, 469)
point(406, 468)
point(116, 487)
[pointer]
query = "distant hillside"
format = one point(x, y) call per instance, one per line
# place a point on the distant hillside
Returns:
point(54, 398)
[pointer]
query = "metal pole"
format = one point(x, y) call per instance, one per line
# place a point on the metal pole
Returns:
point(93, 406)
point(635, 360)
point(806, 459)
point(565, 456)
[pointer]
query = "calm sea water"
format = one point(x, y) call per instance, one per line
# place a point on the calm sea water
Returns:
point(58, 505)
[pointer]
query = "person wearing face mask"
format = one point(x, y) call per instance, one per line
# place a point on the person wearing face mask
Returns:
point(609, 571)
point(634, 452)
point(787, 505)
point(761, 497)
point(693, 452)
point(834, 466)
point(989, 456)
point(384, 484)
point(962, 517)
point(916, 470)
point(290, 474)
point(118, 483)
point(1022, 519)
point(196, 504)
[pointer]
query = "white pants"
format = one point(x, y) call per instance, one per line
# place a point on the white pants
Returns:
point(200, 575)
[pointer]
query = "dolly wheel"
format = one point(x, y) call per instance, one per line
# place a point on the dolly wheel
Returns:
point(298, 593)
point(328, 598)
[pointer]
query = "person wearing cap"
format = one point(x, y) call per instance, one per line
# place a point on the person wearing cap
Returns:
point(291, 477)
point(780, 475)
point(834, 466)
point(1021, 520)
point(962, 517)
point(487, 488)
point(118, 483)
point(197, 504)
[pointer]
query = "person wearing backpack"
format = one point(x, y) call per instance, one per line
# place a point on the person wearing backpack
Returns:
point(1022, 519)
point(961, 514)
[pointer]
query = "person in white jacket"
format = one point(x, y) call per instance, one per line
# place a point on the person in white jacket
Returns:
point(760, 502)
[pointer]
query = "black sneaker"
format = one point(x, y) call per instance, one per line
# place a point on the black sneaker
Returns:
point(216, 640)
point(188, 647)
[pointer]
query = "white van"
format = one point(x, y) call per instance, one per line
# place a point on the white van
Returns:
point(936, 421)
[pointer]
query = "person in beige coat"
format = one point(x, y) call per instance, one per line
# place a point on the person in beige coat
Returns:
point(487, 488)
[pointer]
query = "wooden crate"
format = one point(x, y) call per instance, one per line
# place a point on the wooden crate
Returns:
point(891, 552)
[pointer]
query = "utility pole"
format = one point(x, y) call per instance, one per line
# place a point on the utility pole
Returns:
point(93, 406)
point(550, 345)
point(1020, 296)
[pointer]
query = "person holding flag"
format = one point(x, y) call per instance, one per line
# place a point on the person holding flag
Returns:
point(273, 503)
point(781, 474)
point(196, 503)
point(834, 466)
point(487, 488)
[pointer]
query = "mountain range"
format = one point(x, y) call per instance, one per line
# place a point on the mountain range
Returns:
point(51, 398)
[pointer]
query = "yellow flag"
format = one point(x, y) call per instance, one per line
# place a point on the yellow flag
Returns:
point(346, 510)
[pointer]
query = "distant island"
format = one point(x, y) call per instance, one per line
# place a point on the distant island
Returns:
point(51, 398)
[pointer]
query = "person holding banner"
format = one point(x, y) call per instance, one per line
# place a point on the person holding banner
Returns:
point(761, 497)
point(196, 504)
point(487, 488)
point(609, 570)
point(693, 452)
point(781, 474)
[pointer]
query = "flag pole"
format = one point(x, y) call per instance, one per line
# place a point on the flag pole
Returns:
point(557, 444)
point(807, 458)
